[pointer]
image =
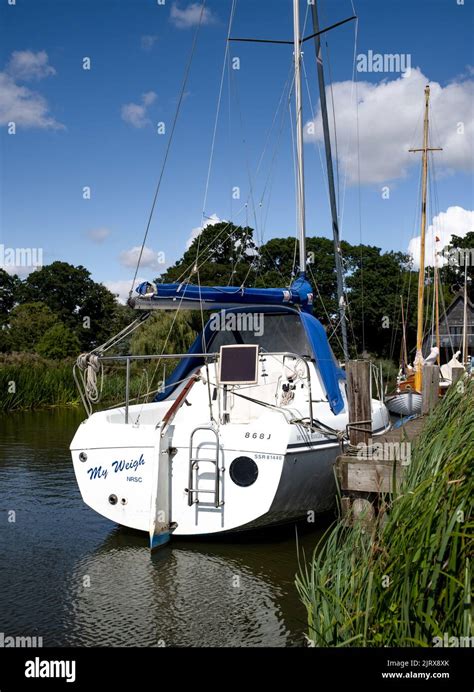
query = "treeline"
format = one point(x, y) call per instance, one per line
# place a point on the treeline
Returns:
point(58, 311)
point(376, 282)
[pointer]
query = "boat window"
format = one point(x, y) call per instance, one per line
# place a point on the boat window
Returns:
point(271, 332)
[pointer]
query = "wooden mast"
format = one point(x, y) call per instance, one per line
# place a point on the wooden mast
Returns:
point(404, 341)
point(464, 328)
point(436, 316)
point(421, 276)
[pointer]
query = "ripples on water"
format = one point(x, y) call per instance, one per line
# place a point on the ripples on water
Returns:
point(215, 593)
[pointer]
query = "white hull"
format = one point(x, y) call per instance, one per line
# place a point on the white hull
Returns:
point(138, 476)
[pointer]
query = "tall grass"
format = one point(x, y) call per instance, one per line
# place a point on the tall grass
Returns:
point(407, 579)
point(28, 381)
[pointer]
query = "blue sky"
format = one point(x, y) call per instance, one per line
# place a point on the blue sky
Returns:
point(97, 127)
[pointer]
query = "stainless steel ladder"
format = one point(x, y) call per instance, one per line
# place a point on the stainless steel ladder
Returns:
point(194, 461)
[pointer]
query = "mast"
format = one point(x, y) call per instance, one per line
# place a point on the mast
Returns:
point(464, 325)
point(300, 200)
point(421, 275)
point(404, 339)
point(332, 192)
point(436, 316)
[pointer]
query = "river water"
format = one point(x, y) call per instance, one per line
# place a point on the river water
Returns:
point(75, 579)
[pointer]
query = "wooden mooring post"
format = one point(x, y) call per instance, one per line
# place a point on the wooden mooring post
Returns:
point(370, 467)
point(358, 395)
point(430, 392)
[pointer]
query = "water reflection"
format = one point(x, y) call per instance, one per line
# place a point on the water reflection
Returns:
point(68, 575)
point(181, 596)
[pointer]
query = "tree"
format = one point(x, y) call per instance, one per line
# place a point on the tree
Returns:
point(171, 331)
point(225, 254)
point(452, 273)
point(58, 342)
point(10, 286)
point(28, 323)
point(375, 282)
point(86, 307)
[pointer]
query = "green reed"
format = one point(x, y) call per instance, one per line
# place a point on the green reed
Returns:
point(406, 579)
point(28, 381)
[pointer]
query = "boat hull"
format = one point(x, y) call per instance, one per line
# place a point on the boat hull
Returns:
point(405, 403)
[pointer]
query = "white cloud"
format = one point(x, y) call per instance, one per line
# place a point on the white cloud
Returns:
point(121, 289)
point(389, 116)
point(150, 258)
point(24, 107)
point(147, 42)
point(18, 269)
point(25, 65)
point(453, 221)
point(20, 105)
point(98, 235)
point(189, 16)
point(211, 221)
point(136, 114)
point(148, 98)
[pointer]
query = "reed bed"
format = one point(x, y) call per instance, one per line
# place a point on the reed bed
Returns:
point(407, 579)
point(28, 381)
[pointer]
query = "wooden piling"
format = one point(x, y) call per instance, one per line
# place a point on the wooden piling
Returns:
point(358, 394)
point(430, 392)
point(376, 469)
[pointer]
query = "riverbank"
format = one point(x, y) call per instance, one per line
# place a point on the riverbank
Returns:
point(406, 581)
point(30, 382)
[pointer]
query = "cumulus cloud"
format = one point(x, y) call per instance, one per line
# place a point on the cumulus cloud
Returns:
point(211, 221)
point(136, 114)
point(147, 42)
point(453, 221)
point(98, 235)
point(150, 258)
point(25, 65)
point(20, 105)
point(24, 107)
point(121, 289)
point(389, 115)
point(189, 16)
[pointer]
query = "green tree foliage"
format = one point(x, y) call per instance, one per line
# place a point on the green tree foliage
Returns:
point(28, 323)
point(452, 273)
point(224, 254)
point(375, 283)
point(86, 307)
point(58, 342)
point(9, 294)
point(164, 332)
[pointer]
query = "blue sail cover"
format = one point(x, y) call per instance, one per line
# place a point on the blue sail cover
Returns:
point(330, 372)
point(187, 296)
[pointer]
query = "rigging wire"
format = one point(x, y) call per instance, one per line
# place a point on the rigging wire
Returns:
point(170, 140)
point(219, 100)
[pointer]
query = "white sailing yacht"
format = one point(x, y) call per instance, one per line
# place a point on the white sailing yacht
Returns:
point(248, 426)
